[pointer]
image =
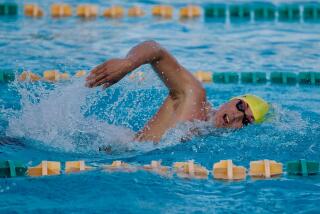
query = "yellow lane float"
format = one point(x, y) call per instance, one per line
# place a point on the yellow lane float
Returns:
point(29, 76)
point(45, 168)
point(265, 168)
point(51, 75)
point(190, 170)
point(114, 12)
point(120, 166)
point(61, 10)
point(80, 73)
point(33, 10)
point(76, 166)
point(226, 170)
point(203, 76)
point(64, 76)
point(135, 11)
point(156, 167)
point(191, 11)
point(164, 11)
point(87, 10)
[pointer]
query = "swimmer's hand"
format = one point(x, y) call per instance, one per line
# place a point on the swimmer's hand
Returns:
point(108, 73)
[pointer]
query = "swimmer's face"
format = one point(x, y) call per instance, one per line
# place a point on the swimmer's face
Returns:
point(233, 114)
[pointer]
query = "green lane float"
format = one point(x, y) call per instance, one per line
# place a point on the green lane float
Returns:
point(6, 76)
point(253, 77)
point(283, 78)
point(255, 11)
point(264, 11)
point(225, 77)
point(239, 12)
point(309, 78)
point(8, 9)
point(289, 12)
point(302, 167)
point(216, 11)
point(222, 170)
point(10, 169)
point(311, 12)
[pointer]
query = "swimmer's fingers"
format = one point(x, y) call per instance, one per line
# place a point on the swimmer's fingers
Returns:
point(97, 71)
point(106, 85)
point(111, 80)
point(100, 68)
point(106, 78)
point(97, 80)
point(101, 82)
point(94, 74)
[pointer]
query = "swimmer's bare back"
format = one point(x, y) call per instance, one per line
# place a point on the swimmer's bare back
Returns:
point(186, 100)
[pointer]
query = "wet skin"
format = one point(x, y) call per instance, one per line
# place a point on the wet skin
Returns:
point(186, 100)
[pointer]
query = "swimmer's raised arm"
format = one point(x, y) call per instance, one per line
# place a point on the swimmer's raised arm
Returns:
point(174, 75)
point(186, 100)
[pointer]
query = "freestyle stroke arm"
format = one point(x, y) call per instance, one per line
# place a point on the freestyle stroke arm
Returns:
point(186, 99)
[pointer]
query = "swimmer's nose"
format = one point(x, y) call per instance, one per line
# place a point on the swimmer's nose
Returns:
point(230, 118)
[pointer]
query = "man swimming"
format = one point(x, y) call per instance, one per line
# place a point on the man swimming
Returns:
point(187, 98)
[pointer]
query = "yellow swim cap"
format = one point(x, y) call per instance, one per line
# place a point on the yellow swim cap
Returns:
point(258, 106)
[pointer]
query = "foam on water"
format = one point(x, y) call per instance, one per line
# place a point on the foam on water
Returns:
point(69, 117)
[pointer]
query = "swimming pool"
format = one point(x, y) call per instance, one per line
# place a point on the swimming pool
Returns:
point(66, 121)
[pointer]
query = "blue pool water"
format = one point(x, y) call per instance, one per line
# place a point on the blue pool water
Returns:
point(67, 121)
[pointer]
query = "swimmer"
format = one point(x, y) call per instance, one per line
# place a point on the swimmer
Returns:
point(186, 100)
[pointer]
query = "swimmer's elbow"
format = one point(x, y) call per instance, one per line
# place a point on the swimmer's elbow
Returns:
point(152, 43)
point(155, 47)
